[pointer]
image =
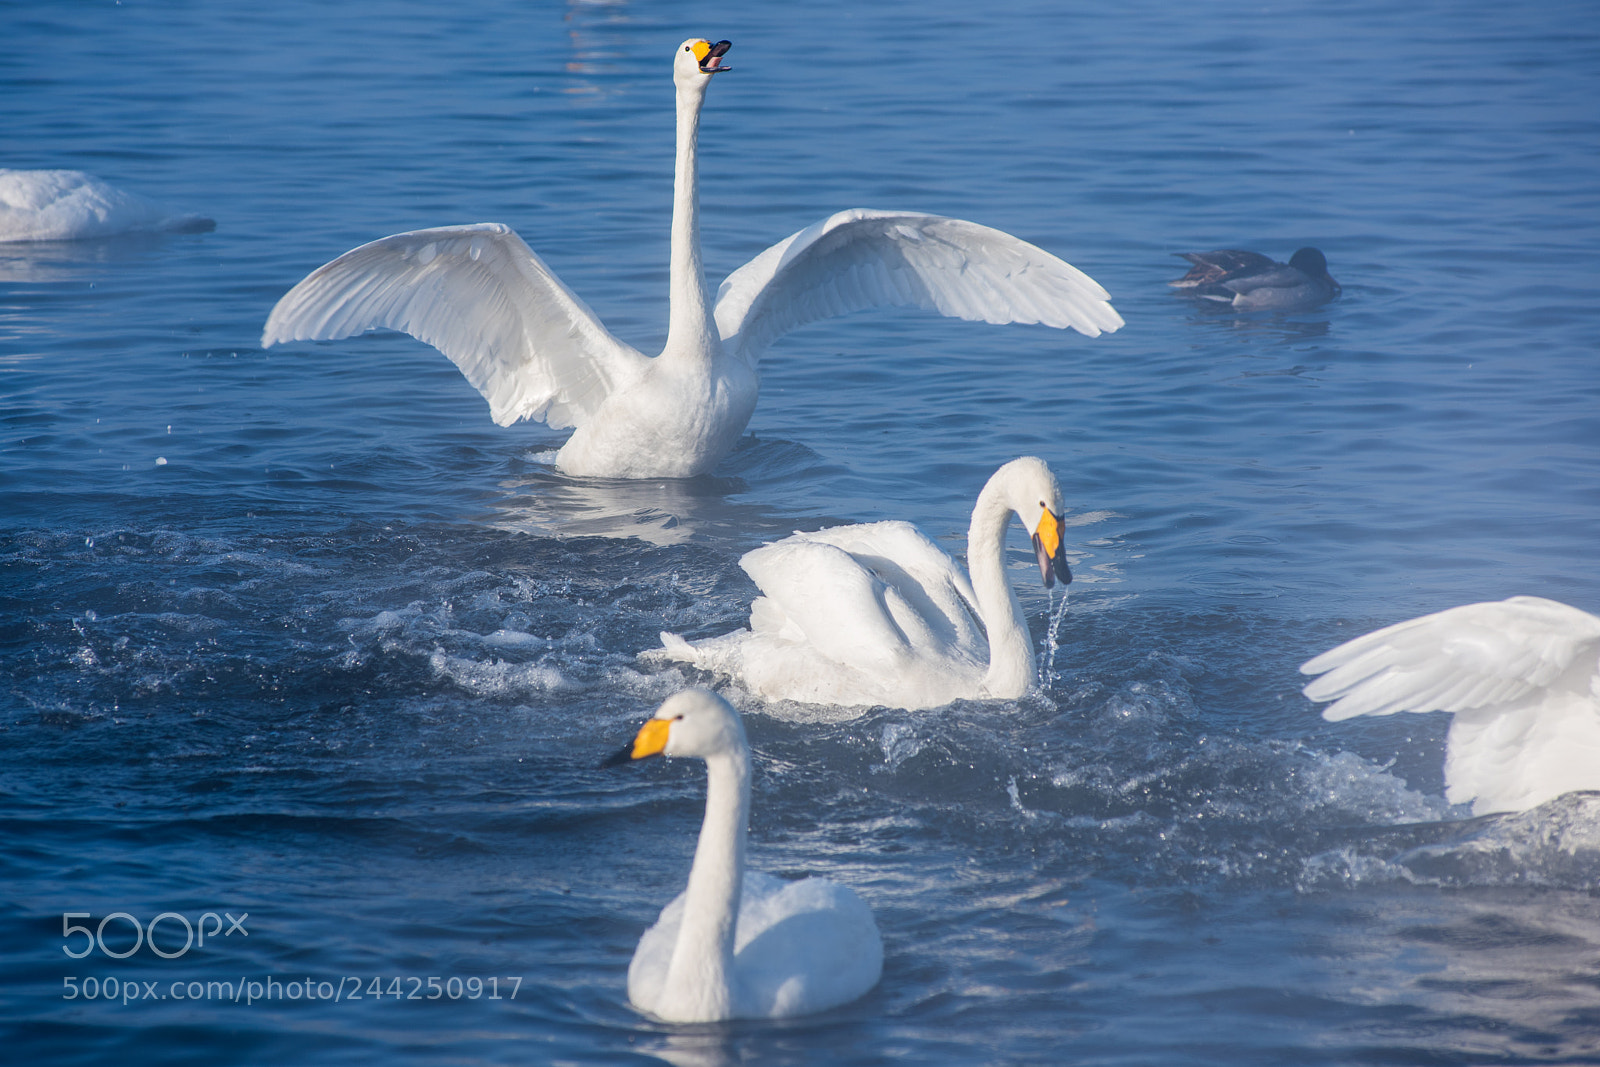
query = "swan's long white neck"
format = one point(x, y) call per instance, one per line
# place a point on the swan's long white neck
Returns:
point(1010, 648)
point(698, 984)
point(691, 330)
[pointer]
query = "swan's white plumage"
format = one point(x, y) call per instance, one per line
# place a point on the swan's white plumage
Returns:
point(69, 205)
point(532, 348)
point(858, 259)
point(481, 296)
point(877, 614)
point(801, 947)
point(738, 944)
point(1521, 677)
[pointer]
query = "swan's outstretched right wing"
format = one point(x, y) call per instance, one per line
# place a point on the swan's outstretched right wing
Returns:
point(1503, 653)
point(479, 295)
point(858, 259)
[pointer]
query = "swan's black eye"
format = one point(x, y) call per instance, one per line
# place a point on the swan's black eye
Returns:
point(1042, 504)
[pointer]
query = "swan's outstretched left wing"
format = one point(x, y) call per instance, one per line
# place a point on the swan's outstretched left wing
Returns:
point(1497, 654)
point(858, 259)
point(479, 295)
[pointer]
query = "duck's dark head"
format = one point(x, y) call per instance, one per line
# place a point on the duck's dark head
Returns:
point(1309, 261)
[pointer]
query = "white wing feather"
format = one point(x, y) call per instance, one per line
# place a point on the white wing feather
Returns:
point(482, 297)
point(858, 259)
point(1522, 677)
point(873, 596)
point(1498, 653)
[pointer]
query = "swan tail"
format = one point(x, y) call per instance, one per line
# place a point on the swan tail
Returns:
point(674, 649)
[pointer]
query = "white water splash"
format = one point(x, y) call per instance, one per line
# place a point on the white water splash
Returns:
point(1047, 671)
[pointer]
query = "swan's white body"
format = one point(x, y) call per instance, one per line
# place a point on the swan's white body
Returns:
point(878, 614)
point(738, 944)
point(534, 350)
point(1522, 677)
point(69, 205)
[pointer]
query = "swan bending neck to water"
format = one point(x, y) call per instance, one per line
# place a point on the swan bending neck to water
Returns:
point(738, 944)
point(1522, 677)
point(877, 614)
point(69, 205)
point(536, 351)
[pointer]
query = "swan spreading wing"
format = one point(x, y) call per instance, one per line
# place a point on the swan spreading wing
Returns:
point(859, 259)
point(1497, 654)
point(1522, 677)
point(481, 296)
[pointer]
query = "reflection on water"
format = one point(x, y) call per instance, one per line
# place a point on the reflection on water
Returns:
point(595, 44)
point(1515, 969)
point(68, 261)
point(661, 511)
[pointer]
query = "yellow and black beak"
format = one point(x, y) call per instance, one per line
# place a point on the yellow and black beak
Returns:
point(649, 741)
point(710, 56)
point(1050, 550)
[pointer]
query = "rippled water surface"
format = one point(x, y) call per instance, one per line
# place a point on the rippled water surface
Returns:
point(300, 633)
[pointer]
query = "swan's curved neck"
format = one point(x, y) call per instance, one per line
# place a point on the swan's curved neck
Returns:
point(691, 330)
point(699, 977)
point(1010, 648)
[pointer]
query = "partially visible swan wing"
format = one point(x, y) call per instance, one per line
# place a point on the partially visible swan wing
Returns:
point(482, 297)
point(858, 259)
point(1502, 654)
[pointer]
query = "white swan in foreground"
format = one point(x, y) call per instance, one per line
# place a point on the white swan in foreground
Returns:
point(738, 944)
point(535, 351)
point(69, 205)
point(878, 614)
point(1522, 677)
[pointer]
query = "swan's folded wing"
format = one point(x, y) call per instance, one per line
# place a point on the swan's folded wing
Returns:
point(930, 584)
point(1500, 654)
point(479, 295)
point(859, 259)
point(824, 596)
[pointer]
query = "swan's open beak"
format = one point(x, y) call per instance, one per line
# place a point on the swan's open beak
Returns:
point(1052, 553)
point(710, 56)
point(650, 741)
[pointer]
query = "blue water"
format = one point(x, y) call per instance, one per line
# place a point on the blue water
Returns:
point(302, 634)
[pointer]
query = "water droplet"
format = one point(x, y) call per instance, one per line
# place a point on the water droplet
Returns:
point(1047, 672)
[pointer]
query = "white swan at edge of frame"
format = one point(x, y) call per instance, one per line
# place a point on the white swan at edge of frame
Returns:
point(70, 205)
point(1520, 676)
